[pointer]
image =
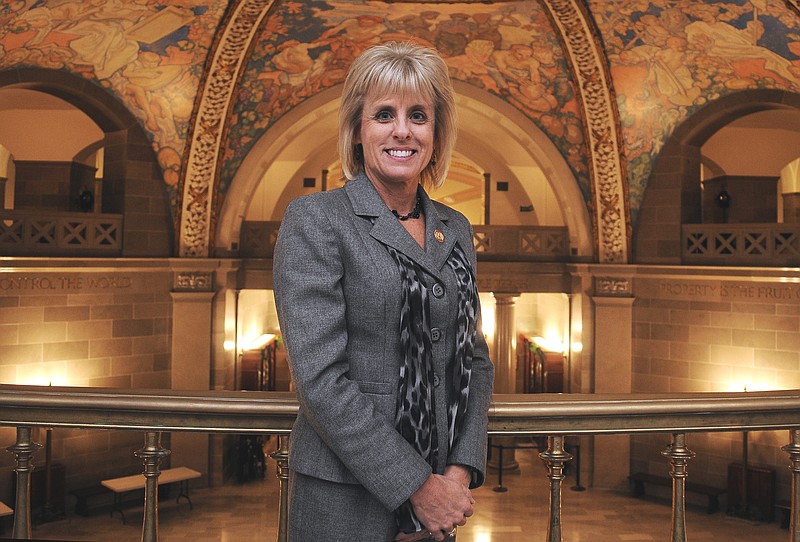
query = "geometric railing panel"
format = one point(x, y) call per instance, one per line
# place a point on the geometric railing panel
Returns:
point(741, 244)
point(519, 243)
point(37, 233)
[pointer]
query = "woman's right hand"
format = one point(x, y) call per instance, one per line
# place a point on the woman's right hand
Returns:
point(441, 504)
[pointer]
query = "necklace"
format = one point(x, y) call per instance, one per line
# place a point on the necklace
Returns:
point(414, 213)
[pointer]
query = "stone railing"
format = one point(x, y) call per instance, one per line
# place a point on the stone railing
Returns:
point(553, 416)
point(523, 243)
point(40, 233)
point(741, 244)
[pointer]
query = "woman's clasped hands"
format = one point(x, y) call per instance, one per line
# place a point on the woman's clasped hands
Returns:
point(442, 503)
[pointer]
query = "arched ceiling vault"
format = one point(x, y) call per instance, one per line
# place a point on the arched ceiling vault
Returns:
point(294, 139)
point(611, 222)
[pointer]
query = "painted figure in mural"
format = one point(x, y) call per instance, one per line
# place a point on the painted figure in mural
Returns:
point(377, 302)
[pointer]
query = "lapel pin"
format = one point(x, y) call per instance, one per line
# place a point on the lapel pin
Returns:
point(439, 236)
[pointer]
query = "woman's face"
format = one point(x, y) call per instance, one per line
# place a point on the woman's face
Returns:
point(397, 137)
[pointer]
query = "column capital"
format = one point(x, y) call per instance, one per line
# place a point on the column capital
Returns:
point(506, 297)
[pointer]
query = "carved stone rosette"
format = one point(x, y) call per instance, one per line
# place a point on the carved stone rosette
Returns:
point(217, 95)
point(601, 124)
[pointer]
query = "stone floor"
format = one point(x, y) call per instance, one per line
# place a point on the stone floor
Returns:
point(243, 512)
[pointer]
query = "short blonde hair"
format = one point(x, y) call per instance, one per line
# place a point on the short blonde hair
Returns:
point(396, 68)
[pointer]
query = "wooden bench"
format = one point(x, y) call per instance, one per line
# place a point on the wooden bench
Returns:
point(639, 479)
point(125, 484)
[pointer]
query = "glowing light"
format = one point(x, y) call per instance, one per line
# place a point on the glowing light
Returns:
point(257, 342)
point(577, 346)
point(746, 386)
point(487, 320)
point(229, 345)
point(549, 344)
point(43, 377)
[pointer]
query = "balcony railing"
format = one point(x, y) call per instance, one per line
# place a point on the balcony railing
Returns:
point(741, 244)
point(523, 243)
point(549, 415)
point(37, 233)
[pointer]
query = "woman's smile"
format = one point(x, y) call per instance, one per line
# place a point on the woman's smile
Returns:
point(396, 136)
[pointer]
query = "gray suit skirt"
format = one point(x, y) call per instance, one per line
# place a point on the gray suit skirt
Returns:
point(323, 511)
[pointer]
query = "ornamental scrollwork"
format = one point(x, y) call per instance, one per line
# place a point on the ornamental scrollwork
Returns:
point(197, 204)
point(601, 126)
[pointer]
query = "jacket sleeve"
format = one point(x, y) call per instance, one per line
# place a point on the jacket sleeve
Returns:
point(312, 310)
point(470, 450)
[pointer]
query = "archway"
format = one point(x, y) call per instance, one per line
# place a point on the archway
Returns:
point(492, 134)
point(673, 196)
point(132, 185)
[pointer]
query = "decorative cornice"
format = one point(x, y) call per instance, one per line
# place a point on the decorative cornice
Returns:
point(601, 124)
point(794, 5)
point(216, 98)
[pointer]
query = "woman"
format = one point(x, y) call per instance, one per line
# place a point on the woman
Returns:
point(377, 304)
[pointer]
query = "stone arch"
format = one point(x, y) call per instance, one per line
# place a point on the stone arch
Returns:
point(132, 183)
point(672, 197)
point(308, 133)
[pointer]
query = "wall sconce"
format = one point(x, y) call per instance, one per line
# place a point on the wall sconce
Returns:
point(549, 344)
point(258, 342)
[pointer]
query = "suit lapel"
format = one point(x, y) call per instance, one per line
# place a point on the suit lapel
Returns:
point(387, 229)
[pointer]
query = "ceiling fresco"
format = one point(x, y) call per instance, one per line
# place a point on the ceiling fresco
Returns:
point(670, 57)
point(507, 49)
point(667, 59)
point(149, 53)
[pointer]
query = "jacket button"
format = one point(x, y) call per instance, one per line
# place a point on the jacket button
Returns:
point(436, 334)
point(436, 380)
point(437, 290)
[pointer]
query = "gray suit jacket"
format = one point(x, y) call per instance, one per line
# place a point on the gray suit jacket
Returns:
point(338, 295)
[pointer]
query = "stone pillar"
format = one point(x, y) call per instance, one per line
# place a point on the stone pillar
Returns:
point(791, 208)
point(613, 351)
point(192, 300)
point(789, 192)
point(505, 363)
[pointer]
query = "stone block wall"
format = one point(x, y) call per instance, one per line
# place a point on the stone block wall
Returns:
point(704, 334)
point(97, 327)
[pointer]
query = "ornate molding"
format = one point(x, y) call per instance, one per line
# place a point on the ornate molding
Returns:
point(601, 124)
point(794, 5)
point(206, 135)
point(612, 287)
point(195, 281)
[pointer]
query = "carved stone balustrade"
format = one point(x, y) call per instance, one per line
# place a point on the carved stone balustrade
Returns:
point(38, 233)
point(506, 243)
point(741, 244)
